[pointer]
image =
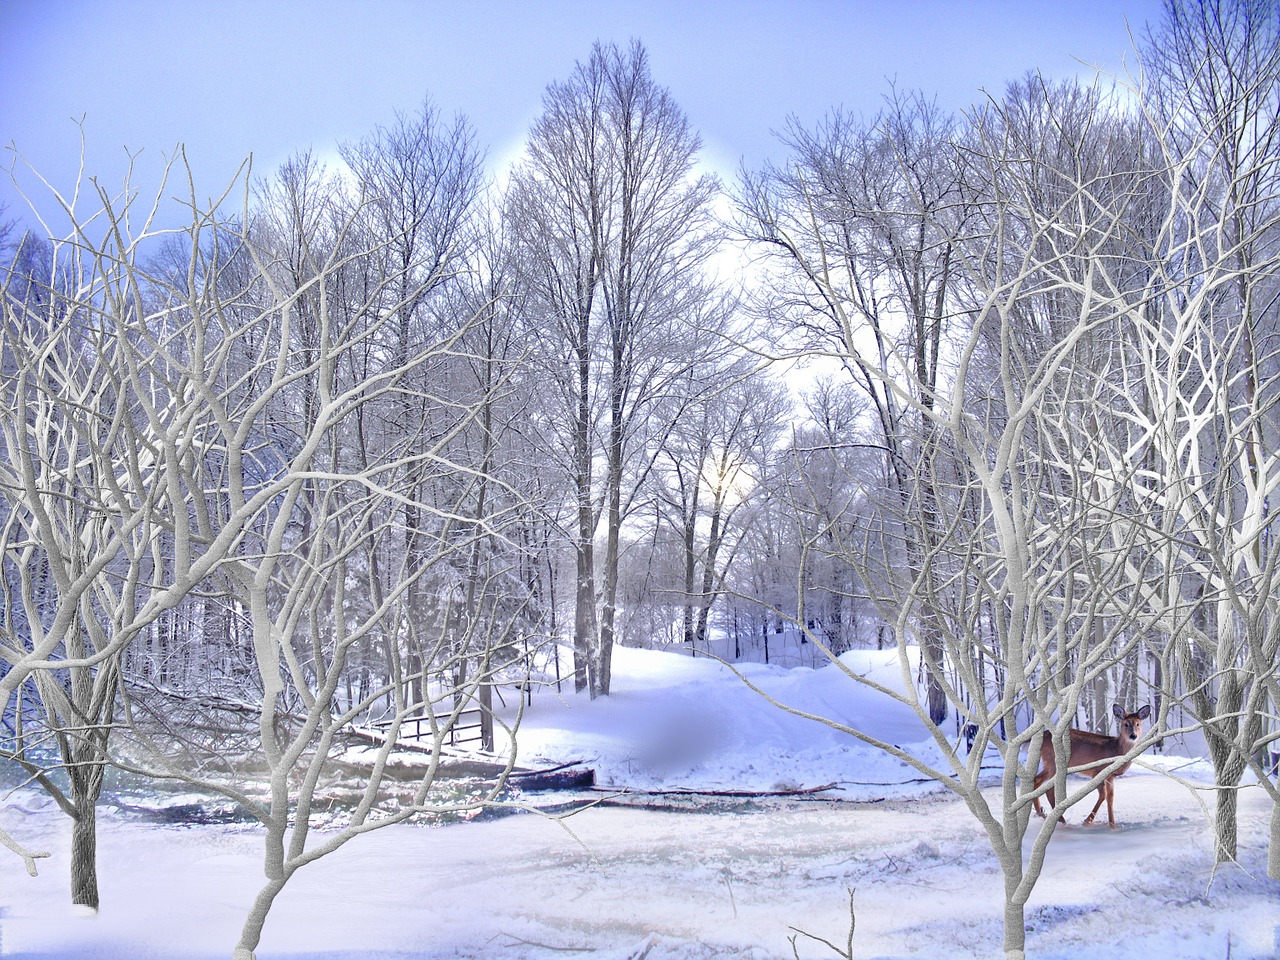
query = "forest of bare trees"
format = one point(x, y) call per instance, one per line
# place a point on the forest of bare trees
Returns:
point(356, 447)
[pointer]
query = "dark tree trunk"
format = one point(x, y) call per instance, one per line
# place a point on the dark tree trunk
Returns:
point(84, 854)
point(86, 786)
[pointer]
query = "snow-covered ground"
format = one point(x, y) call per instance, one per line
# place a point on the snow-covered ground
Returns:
point(679, 883)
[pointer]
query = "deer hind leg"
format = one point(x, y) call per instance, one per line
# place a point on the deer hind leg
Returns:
point(1051, 794)
point(1041, 777)
point(1104, 793)
point(1048, 767)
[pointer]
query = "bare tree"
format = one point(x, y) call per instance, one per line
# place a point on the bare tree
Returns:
point(612, 227)
point(100, 467)
point(194, 435)
point(861, 228)
point(707, 472)
point(1208, 369)
point(830, 471)
point(1021, 588)
point(419, 180)
point(312, 599)
point(493, 379)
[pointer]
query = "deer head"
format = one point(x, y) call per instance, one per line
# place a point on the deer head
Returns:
point(1130, 725)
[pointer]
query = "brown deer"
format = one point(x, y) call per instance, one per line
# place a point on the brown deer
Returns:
point(1091, 751)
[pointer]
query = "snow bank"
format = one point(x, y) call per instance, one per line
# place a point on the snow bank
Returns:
point(675, 721)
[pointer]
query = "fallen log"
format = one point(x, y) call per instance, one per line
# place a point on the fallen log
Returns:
point(559, 777)
point(447, 769)
point(533, 780)
point(183, 813)
point(690, 792)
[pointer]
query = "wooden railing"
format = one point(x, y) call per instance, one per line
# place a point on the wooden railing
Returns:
point(467, 728)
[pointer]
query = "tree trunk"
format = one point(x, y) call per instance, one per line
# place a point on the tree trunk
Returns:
point(1015, 931)
point(937, 696)
point(85, 753)
point(251, 932)
point(689, 611)
point(932, 642)
point(604, 664)
point(1228, 768)
point(709, 593)
point(84, 850)
point(585, 628)
point(1225, 825)
point(1157, 685)
point(486, 715)
point(930, 631)
point(602, 675)
point(1015, 927)
point(584, 623)
point(1273, 847)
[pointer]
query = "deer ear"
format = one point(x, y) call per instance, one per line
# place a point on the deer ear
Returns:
point(1115, 708)
point(1144, 712)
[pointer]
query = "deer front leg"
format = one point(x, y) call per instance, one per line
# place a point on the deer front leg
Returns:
point(1111, 803)
point(1047, 773)
point(1102, 795)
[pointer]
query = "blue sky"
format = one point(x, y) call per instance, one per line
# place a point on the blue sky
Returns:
point(272, 78)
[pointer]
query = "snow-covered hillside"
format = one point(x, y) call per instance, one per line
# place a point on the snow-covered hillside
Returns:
point(676, 721)
point(729, 880)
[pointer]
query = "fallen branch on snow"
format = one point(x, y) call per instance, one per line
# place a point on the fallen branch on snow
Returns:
point(29, 857)
point(690, 792)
